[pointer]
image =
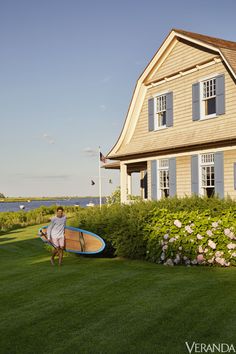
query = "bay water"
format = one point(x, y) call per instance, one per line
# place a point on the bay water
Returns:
point(34, 204)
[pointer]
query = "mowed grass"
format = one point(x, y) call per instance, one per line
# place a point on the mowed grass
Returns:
point(96, 305)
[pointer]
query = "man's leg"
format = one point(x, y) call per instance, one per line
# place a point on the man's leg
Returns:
point(61, 242)
point(55, 251)
point(60, 256)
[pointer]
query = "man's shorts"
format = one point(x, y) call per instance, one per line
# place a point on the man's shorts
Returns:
point(58, 242)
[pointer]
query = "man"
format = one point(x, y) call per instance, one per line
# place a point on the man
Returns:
point(56, 234)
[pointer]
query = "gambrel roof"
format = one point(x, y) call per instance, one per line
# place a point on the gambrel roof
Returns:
point(226, 50)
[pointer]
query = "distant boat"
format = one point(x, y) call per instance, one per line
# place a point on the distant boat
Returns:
point(90, 204)
point(22, 207)
point(77, 205)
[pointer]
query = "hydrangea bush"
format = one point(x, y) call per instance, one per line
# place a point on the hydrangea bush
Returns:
point(192, 238)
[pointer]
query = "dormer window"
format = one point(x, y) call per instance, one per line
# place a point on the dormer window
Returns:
point(209, 97)
point(160, 111)
point(160, 114)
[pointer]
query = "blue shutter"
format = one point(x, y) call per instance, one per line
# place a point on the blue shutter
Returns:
point(151, 114)
point(169, 109)
point(235, 175)
point(220, 94)
point(154, 180)
point(194, 175)
point(196, 101)
point(172, 176)
point(219, 173)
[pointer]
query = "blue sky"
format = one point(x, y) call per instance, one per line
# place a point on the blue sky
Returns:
point(67, 73)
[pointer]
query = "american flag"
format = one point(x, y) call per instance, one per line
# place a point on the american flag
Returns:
point(102, 158)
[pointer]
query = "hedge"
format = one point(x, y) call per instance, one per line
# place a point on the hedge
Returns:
point(173, 231)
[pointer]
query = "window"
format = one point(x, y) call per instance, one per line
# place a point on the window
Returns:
point(207, 175)
point(209, 97)
point(164, 178)
point(160, 112)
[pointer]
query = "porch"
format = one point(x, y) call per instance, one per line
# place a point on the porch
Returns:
point(126, 180)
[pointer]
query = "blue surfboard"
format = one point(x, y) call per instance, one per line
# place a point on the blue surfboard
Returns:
point(78, 240)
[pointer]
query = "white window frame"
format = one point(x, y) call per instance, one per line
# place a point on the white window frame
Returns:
point(156, 127)
point(205, 164)
point(202, 100)
point(161, 167)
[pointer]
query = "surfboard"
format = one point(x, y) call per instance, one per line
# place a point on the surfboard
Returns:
point(78, 240)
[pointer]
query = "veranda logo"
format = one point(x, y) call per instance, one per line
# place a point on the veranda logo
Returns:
point(210, 348)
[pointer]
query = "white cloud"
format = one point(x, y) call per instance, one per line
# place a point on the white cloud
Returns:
point(106, 79)
point(103, 107)
point(48, 138)
point(88, 151)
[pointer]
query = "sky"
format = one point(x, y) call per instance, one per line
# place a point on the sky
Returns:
point(68, 69)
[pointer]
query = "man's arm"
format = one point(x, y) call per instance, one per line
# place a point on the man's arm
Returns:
point(49, 229)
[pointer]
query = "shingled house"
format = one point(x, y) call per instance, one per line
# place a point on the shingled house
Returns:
point(180, 130)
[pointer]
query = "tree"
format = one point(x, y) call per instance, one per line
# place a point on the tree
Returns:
point(2, 195)
point(114, 198)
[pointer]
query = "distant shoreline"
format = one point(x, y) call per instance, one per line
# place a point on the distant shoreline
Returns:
point(29, 199)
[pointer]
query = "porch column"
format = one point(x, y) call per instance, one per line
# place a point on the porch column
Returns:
point(123, 183)
point(142, 184)
point(129, 184)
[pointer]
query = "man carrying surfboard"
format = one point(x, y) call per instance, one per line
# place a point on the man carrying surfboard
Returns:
point(56, 234)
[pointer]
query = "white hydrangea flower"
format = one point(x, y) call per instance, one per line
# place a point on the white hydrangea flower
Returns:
point(200, 249)
point(177, 223)
point(219, 253)
point(221, 261)
point(169, 262)
point(211, 244)
point(215, 224)
point(188, 229)
point(199, 237)
point(227, 232)
point(162, 256)
point(231, 246)
point(231, 235)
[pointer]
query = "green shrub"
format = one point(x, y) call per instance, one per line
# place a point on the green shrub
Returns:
point(137, 230)
point(13, 220)
point(192, 238)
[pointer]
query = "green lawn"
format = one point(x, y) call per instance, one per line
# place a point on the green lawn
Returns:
point(108, 306)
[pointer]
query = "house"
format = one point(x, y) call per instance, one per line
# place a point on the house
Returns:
point(180, 130)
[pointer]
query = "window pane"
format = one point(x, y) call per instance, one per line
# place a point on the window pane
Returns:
point(164, 183)
point(161, 119)
point(209, 88)
point(210, 106)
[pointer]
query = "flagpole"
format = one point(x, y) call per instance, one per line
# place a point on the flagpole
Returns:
point(100, 179)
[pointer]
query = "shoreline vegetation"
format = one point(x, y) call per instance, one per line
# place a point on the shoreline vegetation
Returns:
point(27, 199)
point(19, 219)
